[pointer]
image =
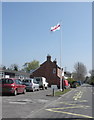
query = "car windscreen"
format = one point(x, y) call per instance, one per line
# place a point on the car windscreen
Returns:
point(6, 81)
point(38, 80)
point(26, 81)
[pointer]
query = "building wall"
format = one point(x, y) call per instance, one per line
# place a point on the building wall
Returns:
point(48, 70)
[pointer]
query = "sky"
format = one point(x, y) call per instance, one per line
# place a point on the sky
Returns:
point(26, 34)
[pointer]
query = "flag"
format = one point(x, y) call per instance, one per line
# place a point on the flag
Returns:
point(57, 27)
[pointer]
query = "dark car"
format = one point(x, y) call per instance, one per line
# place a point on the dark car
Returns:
point(12, 85)
point(31, 84)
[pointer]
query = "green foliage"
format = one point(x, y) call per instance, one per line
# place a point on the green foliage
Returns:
point(91, 80)
point(70, 80)
point(31, 65)
point(58, 93)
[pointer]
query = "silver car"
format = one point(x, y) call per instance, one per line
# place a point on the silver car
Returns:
point(31, 84)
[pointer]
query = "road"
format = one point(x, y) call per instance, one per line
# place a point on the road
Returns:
point(75, 104)
point(22, 106)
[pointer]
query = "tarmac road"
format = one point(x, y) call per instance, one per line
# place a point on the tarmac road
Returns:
point(75, 104)
point(21, 106)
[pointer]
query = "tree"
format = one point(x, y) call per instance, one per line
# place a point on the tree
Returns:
point(91, 72)
point(3, 67)
point(91, 80)
point(14, 67)
point(28, 66)
point(79, 72)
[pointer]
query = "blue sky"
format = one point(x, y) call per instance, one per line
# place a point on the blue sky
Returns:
point(26, 32)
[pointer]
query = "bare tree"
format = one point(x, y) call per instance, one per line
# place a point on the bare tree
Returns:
point(80, 71)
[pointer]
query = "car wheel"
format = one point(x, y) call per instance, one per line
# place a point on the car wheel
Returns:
point(33, 89)
point(43, 88)
point(46, 88)
point(15, 92)
point(38, 89)
point(24, 91)
point(27, 90)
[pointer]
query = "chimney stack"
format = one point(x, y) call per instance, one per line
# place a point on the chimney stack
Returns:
point(48, 58)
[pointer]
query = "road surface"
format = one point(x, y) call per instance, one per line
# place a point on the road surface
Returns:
point(77, 103)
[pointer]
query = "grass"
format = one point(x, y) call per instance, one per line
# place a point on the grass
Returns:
point(58, 93)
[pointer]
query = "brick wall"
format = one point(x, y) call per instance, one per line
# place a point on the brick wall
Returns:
point(48, 70)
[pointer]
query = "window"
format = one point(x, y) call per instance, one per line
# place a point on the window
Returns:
point(38, 80)
point(54, 70)
point(7, 81)
point(27, 80)
point(34, 80)
point(18, 81)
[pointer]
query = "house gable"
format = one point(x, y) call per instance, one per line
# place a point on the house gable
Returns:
point(49, 70)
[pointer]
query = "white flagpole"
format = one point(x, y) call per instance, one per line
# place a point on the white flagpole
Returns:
point(53, 29)
point(61, 57)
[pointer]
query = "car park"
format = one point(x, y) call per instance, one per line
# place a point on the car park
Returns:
point(31, 84)
point(12, 86)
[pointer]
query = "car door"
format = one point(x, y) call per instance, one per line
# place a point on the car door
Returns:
point(36, 84)
point(21, 86)
point(17, 85)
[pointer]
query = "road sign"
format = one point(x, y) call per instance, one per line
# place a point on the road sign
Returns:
point(54, 86)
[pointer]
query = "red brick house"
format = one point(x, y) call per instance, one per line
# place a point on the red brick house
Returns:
point(50, 70)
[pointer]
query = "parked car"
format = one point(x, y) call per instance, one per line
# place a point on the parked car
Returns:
point(42, 82)
point(31, 84)
point(66, 84)
point(12, 85)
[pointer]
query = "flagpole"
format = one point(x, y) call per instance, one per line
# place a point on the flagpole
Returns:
point(61, 58)
point(57, 27)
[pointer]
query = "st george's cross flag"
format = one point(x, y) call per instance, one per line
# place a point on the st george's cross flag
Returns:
point(57, 27)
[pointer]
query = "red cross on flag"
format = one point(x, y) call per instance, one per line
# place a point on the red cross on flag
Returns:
point(57, 27)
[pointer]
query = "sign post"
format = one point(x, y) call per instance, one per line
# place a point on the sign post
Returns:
point(54, 87)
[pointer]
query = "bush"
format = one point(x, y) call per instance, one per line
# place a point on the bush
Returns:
point(71, 82)
point(91, 80)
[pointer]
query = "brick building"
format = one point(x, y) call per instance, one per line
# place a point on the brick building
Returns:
point(50, 70)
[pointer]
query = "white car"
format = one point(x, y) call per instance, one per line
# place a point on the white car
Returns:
point(31, 84)
point(42, 82)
